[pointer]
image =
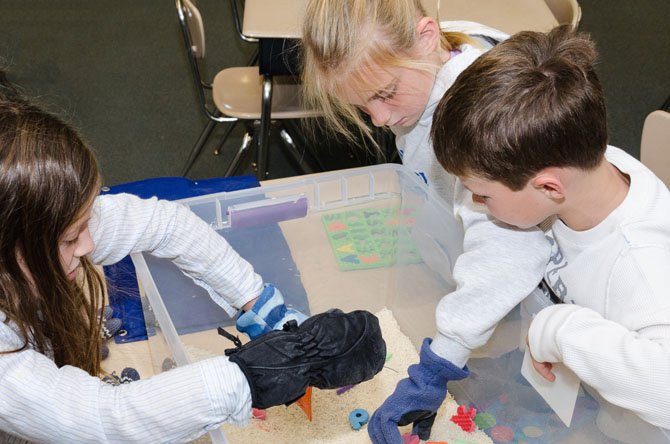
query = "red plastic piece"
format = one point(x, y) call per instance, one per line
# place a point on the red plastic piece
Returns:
point(464, 418)
point(258, 414)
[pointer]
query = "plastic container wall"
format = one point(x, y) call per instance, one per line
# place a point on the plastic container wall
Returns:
point(288, 232)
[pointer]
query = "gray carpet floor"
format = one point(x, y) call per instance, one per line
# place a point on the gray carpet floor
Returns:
point(118, 71)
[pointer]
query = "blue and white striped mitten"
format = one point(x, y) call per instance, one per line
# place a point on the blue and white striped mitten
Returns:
point(267, 314)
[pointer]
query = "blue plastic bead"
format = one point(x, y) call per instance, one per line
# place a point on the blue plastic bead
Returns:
point(358, 418)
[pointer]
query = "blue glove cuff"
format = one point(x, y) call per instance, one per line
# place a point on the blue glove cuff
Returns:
point(268, 313)
point(440, 367)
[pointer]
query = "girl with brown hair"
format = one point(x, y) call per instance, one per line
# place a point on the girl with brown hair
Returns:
point(55, 226)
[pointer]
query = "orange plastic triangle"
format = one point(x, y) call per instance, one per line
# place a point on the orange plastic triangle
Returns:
point(305, 403)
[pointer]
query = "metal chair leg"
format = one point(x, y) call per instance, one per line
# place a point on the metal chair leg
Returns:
point(229, 130)
point(234, 164)
point(195, 151)
point(298, 157)
point(293, 128)
point(264, 131)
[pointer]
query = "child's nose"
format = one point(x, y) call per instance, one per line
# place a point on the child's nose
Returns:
point(85, 245)
point(379, 114)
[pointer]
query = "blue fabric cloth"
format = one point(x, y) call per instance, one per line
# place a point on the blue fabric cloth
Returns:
point(173, 188)
point(124, 296)
point(415, 399)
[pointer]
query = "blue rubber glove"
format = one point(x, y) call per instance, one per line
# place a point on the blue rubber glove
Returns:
point(415, 399)
point(267, 314)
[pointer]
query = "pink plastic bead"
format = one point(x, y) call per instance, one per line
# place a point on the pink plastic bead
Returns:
point(258, 414)
point(408, 438)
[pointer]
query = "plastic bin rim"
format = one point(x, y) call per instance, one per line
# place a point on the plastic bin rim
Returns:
point(326, 177)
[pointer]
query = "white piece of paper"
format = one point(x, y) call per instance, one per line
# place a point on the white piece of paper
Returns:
point(561, 395)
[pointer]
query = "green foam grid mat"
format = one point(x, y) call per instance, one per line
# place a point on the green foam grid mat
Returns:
point(371, 237)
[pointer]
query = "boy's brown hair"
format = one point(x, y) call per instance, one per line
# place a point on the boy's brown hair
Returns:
point(532, 102)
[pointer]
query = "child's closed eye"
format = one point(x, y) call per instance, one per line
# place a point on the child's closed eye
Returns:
point(478, 198)
point(387, 93)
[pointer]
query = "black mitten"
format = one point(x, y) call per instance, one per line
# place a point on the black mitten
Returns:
point(327, 351)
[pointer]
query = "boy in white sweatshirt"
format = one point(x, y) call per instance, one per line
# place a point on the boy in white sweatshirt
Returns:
point(524, 128)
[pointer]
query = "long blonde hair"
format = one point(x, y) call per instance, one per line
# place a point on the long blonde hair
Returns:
point(343, 40)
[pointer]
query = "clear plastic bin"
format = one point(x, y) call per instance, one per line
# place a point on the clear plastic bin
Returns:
point(403, 261)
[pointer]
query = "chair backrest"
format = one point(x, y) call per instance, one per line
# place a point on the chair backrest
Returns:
point(510, 16)
point(193, 31)
point(567, 12)
point(192, 26)
point(655, 144)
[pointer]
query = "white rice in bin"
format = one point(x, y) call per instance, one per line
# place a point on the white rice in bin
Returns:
point(330, 411)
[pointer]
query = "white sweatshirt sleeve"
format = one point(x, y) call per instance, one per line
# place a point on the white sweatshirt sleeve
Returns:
point(43, 403)
point(499, 267)
point(123, 224)
point(624, 353)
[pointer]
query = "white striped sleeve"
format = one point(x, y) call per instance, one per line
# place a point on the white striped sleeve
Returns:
point(41, 402)
point(123, 224)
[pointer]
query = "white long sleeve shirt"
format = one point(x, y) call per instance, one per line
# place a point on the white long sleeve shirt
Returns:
point(44, 403)
point(500, 265)
point(614, 329)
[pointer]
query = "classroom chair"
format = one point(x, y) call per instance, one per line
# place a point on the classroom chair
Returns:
point(237, 94)
point(655, 144)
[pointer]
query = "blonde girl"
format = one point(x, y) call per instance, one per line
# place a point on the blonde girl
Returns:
point(390, 60)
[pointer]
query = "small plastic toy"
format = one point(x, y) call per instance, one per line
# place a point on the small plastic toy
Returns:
point(464, 418)
point(305, 403)
point(258, 414)
point(344, 389)
point(485, 420)
point(408, 438)
point(358, 418)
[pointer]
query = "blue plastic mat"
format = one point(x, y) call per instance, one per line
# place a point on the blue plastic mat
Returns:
point(123, 292)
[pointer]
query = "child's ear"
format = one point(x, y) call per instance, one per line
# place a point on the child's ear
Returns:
point(549, 182)
point(428, 35)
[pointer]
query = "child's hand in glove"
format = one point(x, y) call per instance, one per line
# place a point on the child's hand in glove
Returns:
point(415, 399)
point(268, 313)
point(327, 351)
